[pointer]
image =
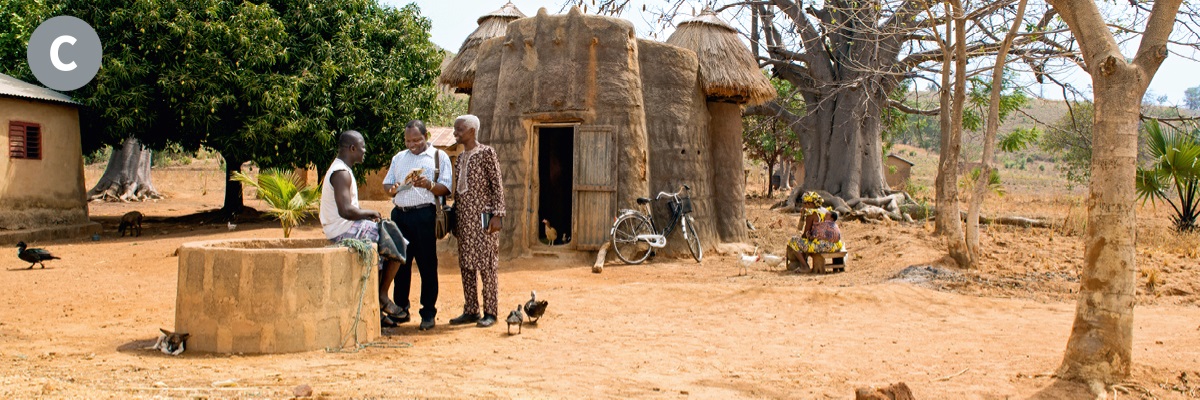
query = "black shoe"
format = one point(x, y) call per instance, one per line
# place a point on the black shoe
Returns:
point(464, 319)
point(426, 324)
point(488, 320)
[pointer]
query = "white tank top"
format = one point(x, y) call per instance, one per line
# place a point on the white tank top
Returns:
point(332, 223)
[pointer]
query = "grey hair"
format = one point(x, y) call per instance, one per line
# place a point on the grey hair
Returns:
point(470, 120)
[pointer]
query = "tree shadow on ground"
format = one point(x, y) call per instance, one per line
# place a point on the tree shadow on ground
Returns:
point(1065, 390)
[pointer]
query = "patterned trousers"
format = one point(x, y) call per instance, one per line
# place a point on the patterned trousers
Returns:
point(478, 258)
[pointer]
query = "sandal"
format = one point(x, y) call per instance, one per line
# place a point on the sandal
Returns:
point(392, 310)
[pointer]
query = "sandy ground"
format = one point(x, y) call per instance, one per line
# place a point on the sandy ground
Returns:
point(666, 329)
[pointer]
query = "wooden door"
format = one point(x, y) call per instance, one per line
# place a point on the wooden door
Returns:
point(595, 186)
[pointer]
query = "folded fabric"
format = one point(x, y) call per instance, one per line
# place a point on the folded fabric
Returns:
point(392, 244)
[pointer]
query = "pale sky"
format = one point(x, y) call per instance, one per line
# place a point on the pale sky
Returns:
point(453, 20)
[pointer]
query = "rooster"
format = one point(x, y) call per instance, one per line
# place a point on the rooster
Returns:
point(34, 256)
point(534, 309)
point(747, 260)
point(516, 318)
point(551, 233)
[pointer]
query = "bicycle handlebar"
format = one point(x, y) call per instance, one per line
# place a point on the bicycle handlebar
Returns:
point(673, 195)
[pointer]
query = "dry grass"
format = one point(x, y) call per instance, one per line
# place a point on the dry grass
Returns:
point(727, 69)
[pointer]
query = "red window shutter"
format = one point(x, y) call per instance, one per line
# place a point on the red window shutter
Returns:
point(16, 140)
point(24, 140)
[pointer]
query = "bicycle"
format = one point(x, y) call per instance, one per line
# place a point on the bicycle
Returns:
point(634, 235)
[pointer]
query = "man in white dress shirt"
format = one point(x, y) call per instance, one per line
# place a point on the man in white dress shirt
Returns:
point(415, 203)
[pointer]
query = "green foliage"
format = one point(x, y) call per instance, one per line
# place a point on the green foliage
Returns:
point(450, 106)
point(1175, 168)
point(18, 19)
point(770, 139)
point(1019, 139)
point(101, 155)
point(173, 154)
point(966, 184)
point(289, 198)
point(924, 131)
point(979, 92)
point(1071, 139)
point(1191, 98)
point(270, 82)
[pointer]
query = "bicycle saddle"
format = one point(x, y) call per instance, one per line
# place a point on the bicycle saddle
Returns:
point(643, 200)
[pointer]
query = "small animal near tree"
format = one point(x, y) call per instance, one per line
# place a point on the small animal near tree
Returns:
point(131, 222)
point(289, 198)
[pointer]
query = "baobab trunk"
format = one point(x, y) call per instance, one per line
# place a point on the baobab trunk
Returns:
point(842, 145)
point(127, 176)
point(233, 189)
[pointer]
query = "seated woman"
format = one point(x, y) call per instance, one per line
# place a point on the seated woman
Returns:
point(819, 233)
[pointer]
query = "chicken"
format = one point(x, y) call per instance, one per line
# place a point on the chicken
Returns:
point(551, 233)
point(231, 225)
point(515, 317)
point(747, 260)
point(772, 260)
point(34, 256)
point(534, 309)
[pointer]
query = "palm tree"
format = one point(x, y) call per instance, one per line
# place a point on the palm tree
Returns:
point(291, 200)
point(1175, 168)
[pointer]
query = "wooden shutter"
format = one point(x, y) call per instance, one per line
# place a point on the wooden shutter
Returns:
point(595, 186)
point(24, 140)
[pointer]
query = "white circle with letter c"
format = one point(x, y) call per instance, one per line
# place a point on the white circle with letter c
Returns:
point(64, 53)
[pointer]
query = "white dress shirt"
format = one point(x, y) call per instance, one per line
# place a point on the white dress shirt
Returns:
point(406, 161)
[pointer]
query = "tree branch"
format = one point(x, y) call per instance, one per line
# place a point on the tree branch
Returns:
point(1153, 48)
point(905, 108)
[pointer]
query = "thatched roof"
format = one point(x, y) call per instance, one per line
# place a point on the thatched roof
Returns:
point(728, 72)
point(460, 73)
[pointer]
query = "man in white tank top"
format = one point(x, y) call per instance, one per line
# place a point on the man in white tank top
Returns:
point(341, 217)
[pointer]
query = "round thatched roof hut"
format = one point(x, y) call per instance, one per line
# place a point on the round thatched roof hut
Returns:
point(728, 71)
point(460, 73)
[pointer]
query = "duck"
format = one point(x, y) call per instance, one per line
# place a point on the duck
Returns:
point(515, 317)
point(34, 256)
point(534, 309)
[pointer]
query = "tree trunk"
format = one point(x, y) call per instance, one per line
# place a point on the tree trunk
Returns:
point(842, 145)
point(956, 244)
point(946, 192)
point(989, 139)
point(771, 174)
point(233, 189)
point(1100, 347)
point(127, 176)
point(1101, 339)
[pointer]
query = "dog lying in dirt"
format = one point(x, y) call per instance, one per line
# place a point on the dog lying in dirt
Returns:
point(171, 342)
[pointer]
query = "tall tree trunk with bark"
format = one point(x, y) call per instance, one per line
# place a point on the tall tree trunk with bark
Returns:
point(956, 244)
point(127, 176)
point(233, 189)
point(944, 189)
point(989, 139)
point(1100, 347)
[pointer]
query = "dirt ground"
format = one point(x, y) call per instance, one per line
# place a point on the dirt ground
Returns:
point(666, 329)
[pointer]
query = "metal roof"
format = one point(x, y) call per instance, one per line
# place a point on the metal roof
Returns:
point(14, 87)
point(441, 136)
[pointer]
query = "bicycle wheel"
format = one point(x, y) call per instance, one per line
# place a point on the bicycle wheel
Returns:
point(625, 243)
point(693, 239)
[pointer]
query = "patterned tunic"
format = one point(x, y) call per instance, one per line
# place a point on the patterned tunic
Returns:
point(480, 189)
point(823, 237)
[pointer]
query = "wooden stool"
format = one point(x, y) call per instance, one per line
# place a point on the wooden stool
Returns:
point(837, 261)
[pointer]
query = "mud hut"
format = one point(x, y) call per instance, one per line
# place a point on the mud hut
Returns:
point(729, 77)
point(460, 72)
point(586, 118)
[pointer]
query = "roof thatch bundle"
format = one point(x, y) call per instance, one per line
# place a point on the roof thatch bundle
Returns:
point(460, 73)
point(728, 72)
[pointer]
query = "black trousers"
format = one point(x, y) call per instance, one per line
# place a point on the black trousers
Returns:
point(417, 226)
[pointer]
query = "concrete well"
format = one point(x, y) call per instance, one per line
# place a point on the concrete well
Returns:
point(273, 296)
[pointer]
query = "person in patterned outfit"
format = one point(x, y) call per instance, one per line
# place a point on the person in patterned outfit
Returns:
point(819, 233)
point(478, 197)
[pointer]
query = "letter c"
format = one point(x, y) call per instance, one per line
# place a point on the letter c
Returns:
point(58, 64)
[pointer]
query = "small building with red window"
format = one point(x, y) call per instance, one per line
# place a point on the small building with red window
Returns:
point(42, 194)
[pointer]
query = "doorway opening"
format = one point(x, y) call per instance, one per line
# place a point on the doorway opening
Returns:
point(556, 150)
